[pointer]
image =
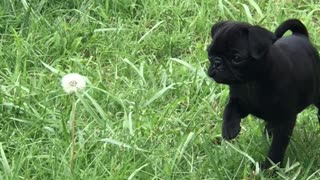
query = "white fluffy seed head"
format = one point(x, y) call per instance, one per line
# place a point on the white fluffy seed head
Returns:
point(73, 82)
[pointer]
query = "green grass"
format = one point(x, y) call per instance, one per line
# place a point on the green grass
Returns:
point(149, 111)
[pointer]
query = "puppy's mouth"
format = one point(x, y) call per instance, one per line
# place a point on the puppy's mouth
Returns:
point(227, 81)
point(238, 78)
point(226, 75)
point(222, 80)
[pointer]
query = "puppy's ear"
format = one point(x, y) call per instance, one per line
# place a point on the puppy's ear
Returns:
point(217, 26)
point(260, 40)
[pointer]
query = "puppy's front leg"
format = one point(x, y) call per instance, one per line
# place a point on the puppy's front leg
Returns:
point(281, 136)
point(231, 120)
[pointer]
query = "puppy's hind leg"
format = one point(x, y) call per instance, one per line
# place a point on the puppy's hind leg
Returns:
point(268, 130)
point(281, 133)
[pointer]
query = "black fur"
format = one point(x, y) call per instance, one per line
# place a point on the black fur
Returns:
point(293, 25)
point(271, 77)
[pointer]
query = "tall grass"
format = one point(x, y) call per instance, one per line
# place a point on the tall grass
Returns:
point(149, 112)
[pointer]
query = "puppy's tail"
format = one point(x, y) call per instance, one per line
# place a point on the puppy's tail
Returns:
point(294, 25)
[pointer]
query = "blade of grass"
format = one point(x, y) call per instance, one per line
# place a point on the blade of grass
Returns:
point(4, 162)
point(121, 144)
point(52, 69)
point(184, 146)
point(140, 73)
point(93, 113)
point(248, 13)
point(150, 31)
point(100, 111)
point(158, 95)
point(136, 171)
point(129, 124)
point(200, 73)
point(241, 152)
point(230, 9)
point(314, 174)
point(181, 149)
point(256, 7)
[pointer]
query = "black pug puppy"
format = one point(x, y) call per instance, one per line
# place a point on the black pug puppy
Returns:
point(269, 76)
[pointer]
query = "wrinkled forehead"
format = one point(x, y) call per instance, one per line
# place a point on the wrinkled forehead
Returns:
point(233, 35)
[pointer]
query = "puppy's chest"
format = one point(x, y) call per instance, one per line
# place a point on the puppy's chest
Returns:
point(259, 101)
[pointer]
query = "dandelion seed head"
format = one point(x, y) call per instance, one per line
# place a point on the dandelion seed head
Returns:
point(73, 82)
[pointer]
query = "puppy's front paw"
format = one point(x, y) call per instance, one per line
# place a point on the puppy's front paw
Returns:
point(265, 165)
point(230, 130)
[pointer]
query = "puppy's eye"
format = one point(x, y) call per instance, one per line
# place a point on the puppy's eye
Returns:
point(236, 59)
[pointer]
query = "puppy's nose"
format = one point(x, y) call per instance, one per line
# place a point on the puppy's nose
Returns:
point(217, 62)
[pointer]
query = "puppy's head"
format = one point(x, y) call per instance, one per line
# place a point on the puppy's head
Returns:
point(235, 51)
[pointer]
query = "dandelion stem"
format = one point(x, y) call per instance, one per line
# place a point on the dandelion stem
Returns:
point(73, 114)
point(72, 84)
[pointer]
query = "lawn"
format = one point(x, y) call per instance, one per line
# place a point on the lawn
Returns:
point(149, 111)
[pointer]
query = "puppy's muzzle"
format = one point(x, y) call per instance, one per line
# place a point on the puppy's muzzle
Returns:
point(216, 66)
